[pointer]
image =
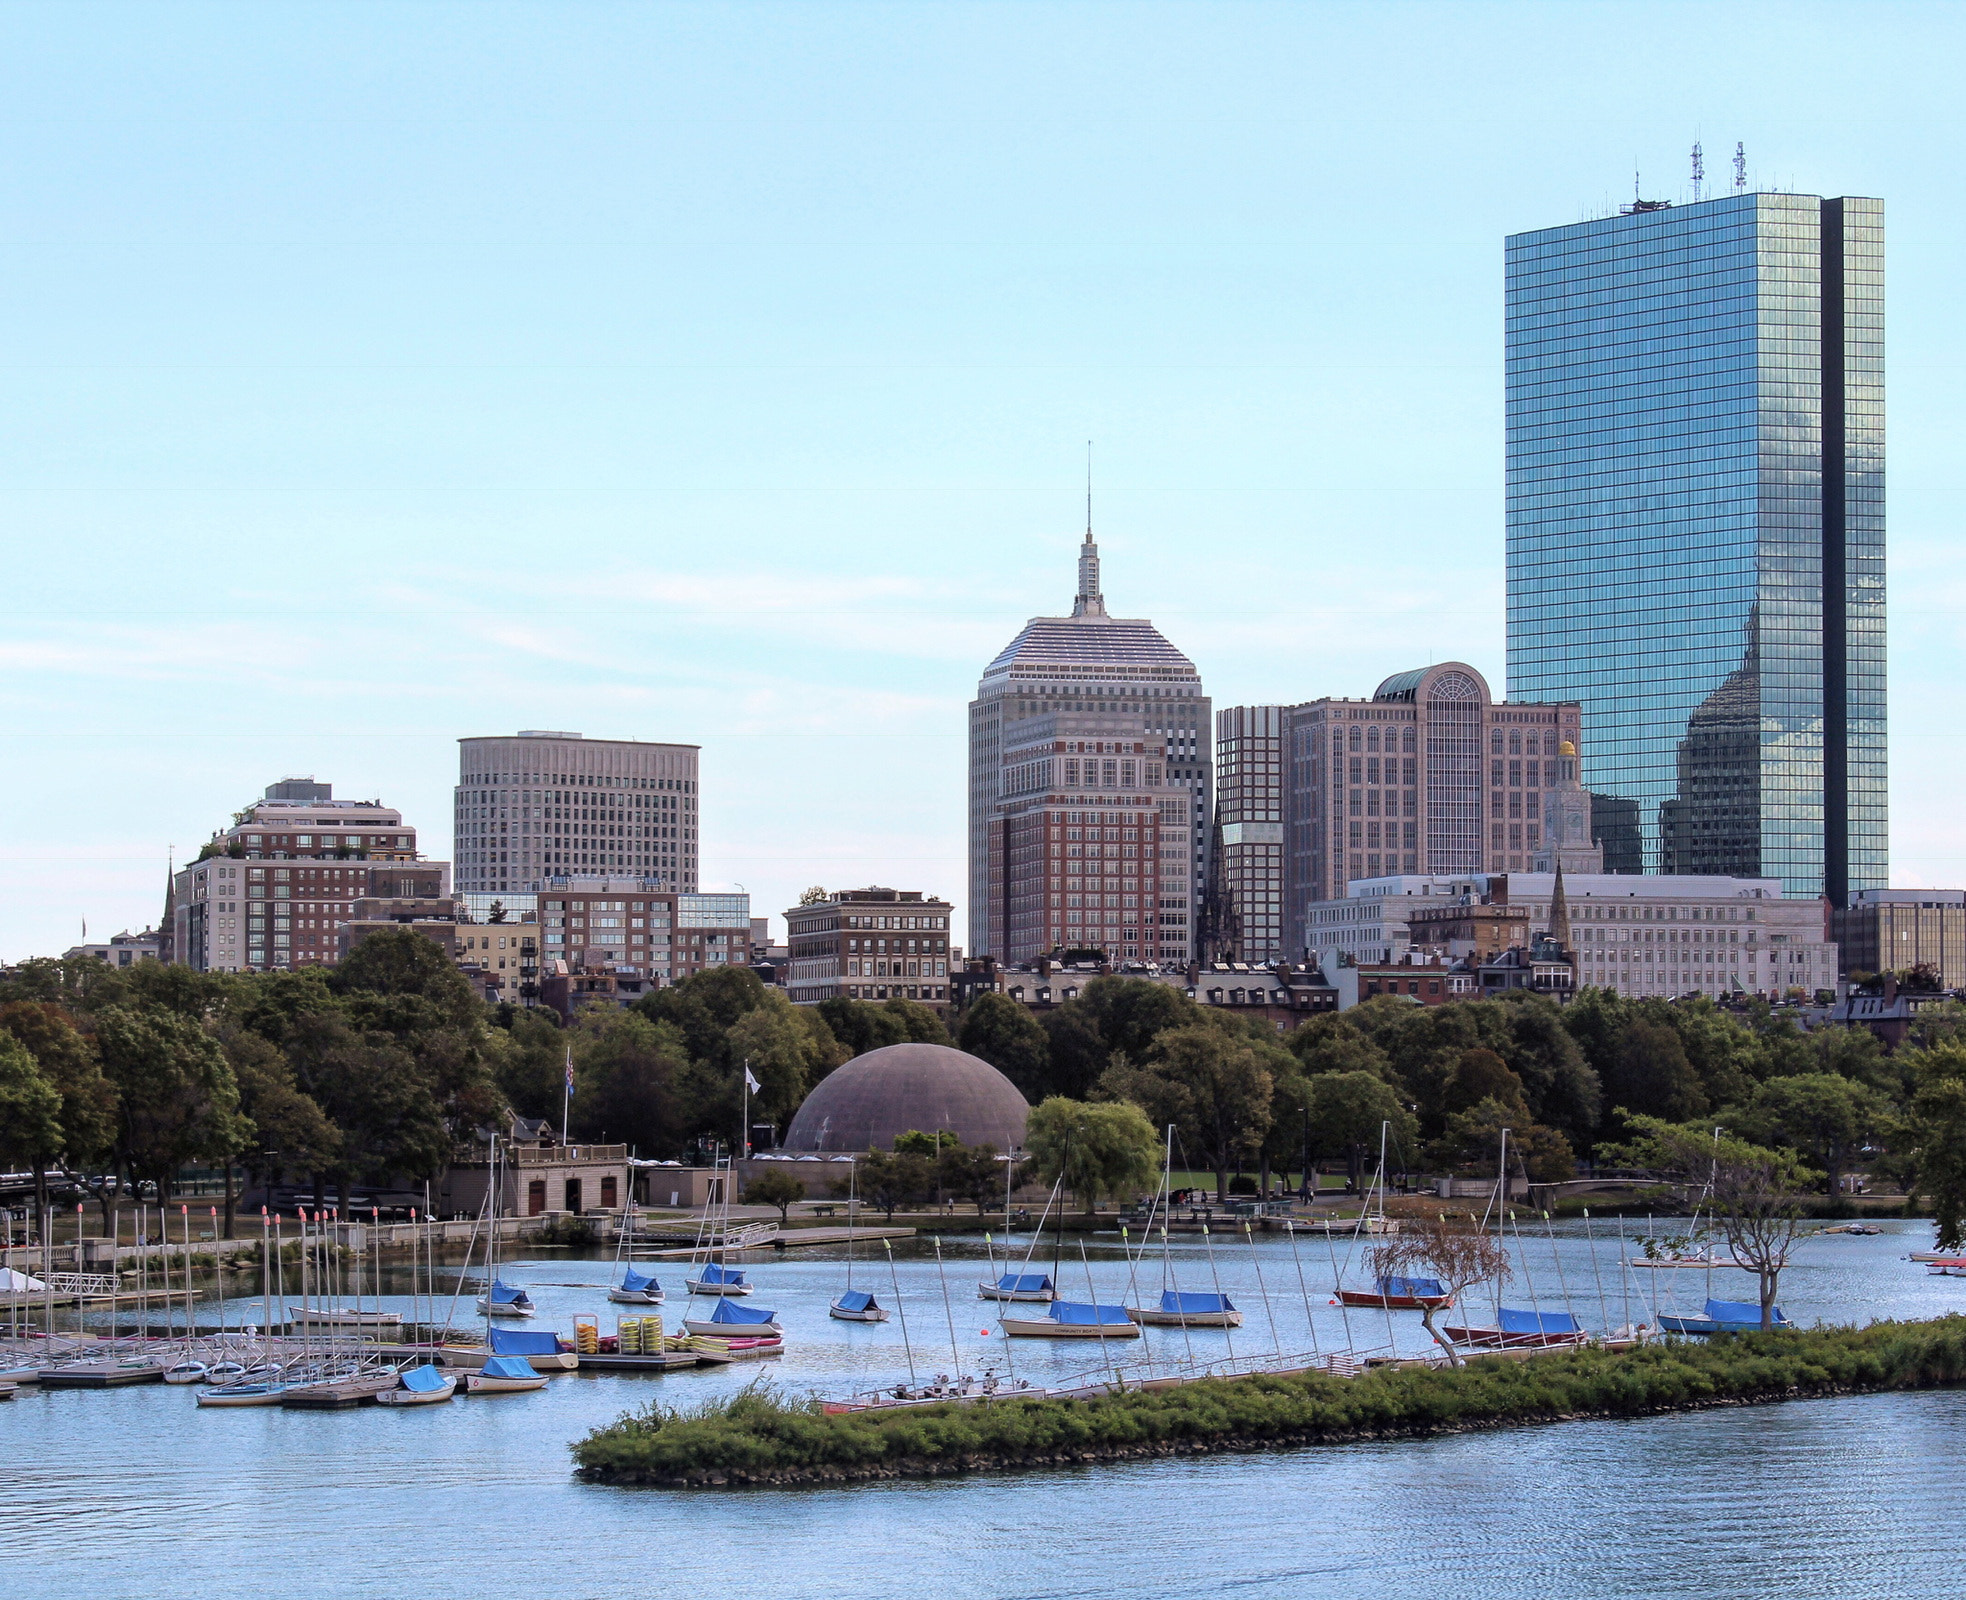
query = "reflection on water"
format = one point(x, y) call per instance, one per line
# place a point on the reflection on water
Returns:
point(135, 1491)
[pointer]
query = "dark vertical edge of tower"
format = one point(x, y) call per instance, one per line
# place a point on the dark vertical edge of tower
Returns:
point(1836, 595)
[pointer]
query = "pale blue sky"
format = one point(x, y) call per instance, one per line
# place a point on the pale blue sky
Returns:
point(376, 374)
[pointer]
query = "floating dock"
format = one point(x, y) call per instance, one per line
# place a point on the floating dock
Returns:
point(356, 1391)
point(102, 1374)
point(665, 1362)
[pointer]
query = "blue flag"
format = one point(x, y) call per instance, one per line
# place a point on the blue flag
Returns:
point(569, 1072)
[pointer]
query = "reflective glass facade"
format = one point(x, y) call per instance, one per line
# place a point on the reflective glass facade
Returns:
point(1696, 528)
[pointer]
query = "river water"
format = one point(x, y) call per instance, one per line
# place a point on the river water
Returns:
point(136, 1492)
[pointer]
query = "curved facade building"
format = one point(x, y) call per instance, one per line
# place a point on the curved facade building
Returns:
point(874, 1099)
point(1089, 784)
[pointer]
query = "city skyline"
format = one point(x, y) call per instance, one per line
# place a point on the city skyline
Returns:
point(340, 453)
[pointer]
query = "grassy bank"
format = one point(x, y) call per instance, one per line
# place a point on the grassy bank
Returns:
point(761, 1437)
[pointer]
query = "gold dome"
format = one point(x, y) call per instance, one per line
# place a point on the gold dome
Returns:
point(1566, 748)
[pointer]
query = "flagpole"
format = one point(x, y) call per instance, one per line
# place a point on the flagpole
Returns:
point(744, 1114)
point(566, 1097)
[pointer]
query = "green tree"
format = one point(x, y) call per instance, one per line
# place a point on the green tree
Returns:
point(996, 1029)
point(1212, 1082)
point(30, 1109)
point(1471, 1141)
point(860, 1025)
point(704, 1007)
point(771, 1188)
point(787, 1048)
point(919, 1024)
point(528, 1061)
point(1330, 1043)
point(1562, 1088)
point(931, 1145)
point(287, 1127)
point(971, 1172)
point(1652, 1076)
point(1483, 1075)
point(889, 1182)
point(178, 1099)
point(1825, 1116)
point(1347, 1111)
point(1937, 1128)
point(1078, 1053)
point(627, 1077)
point(68, 1061)
point(1129, 1014)
point(1099, 1148)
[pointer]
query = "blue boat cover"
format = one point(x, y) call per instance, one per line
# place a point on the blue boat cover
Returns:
point(1024, 1283)
point(855, 1300)
point(713, 1273)
point(506, 1294)
point(509, 1367)
point(523, 1342)
point(1735, 1313)
point(424, 1380)
point(1173, 1300)
point(1080, 1315)
point(634, 1282)
point(1514, 1321)
point(1422, 1288)
point(729, 1311)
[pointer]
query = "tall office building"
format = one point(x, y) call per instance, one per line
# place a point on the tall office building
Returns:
point(1088, 738)
point(1430, 776)
point(1696, 528)
point(1242, 918)
point(540, 805)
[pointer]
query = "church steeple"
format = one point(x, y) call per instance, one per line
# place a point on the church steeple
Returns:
point(1089, 602)
point(1559, 910)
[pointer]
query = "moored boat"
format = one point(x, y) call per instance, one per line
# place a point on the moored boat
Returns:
point(504, 1375)
point(734, 1320)
point(1179, 1310)
point(245, 1394)
point(186, 1372)
point(1399, 1294)
point(539, 1347)
point(419, 1386)
point(1035, 1286)
point(717, 1279)
point(1516, 1328)
point(1726, 1316)
point(635, 1289)
point(506, 1300)
point(1945, 1266)
point(1073, 1319)
point(856, 1305)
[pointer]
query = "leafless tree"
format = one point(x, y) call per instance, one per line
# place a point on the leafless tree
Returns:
point(1458, 1257)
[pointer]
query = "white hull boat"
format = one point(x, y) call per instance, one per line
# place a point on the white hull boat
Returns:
point(866, 1313)
point(1051, 1328)
point(334, 1317)
point(734, 1330)
point(635, 1297)
point(187, 1372)
point(504, 1375)
point(699, 1286)
point(472, 1356)
point(245, 1394)
point(420, 1386)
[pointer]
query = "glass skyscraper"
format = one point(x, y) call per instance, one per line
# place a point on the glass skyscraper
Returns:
point(1696, 528)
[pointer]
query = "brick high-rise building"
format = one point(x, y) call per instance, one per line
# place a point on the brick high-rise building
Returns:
point(1430, 776)
point(273, 890)
point(540, 805)
point(1088, 738)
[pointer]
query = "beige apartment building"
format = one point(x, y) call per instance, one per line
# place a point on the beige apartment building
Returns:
point(537, 805)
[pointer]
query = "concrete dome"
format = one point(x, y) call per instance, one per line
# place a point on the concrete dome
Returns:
point(865, 1104)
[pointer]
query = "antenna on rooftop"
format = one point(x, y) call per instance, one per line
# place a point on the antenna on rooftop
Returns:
point(1699, 170)
point(1740, 165)
point(1088, 488)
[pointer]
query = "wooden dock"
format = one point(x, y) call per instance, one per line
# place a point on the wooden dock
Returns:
point(669, 1361)
point(795, 1238)
point(102, 1374)
point(356, 1391)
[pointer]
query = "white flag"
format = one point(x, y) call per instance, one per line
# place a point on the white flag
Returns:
point(750, 1082)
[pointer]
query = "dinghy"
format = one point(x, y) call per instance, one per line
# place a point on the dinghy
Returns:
point(186, 1372)
point(245, 1394)
point(1073, 1319)
point(718, 1279)
point(1726, 1316)
point(636, 1290)
point(1400, 1294)
point(735, 1321)
point(504, 1375)
point(856, 1305)
point(1178, 1310)
point(1516, 1328)
point(1018, 1286)
point(419, 1386)
point(506, 1300)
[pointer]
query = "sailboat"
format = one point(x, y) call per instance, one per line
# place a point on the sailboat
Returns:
point(729, 1321)
point(1176, 1309)
point(855, 1305)
point(506, 1300)
point(714, 1277)
point(504, 1375)
point(1517, 1327)
point(419, 1386)
point(635, 1288)
point(1390, 1293)
point(1021, 1284)
point(1726, 1316)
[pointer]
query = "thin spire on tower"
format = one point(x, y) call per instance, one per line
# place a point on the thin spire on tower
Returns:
point(1089, 602)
